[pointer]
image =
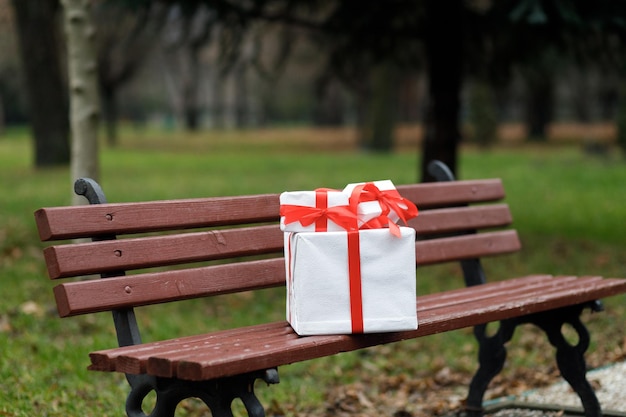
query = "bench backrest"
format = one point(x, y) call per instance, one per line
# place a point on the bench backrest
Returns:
point(231, 232)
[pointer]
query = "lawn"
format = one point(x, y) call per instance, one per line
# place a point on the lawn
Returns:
point(569, 208)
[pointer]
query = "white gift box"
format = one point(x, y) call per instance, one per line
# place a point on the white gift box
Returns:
point(311, 199)
point(382, 185)
point(321, 282)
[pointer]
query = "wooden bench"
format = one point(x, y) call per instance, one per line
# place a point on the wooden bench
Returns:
point(221, 366)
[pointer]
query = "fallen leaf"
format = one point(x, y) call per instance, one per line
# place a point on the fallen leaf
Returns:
point(5, 325)
point(31, 308)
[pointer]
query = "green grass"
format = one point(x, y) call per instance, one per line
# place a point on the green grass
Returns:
point(568, 207)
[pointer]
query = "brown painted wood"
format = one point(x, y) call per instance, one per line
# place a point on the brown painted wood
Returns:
point(257, 347)
point(432, 321)
point(460, 219)
point(436, 194)
point(92, 296)
point(466, 247)
point(137, 253)
point(128, 254)
point(136, 362)
point(136, 290)
point(59, 223)
point(166, 361)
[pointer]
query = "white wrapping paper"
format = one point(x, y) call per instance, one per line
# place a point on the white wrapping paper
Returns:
point(318, 282)
point(308, 199)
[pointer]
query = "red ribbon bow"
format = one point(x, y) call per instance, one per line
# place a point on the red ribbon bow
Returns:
point(343, 216)
point(389, 200)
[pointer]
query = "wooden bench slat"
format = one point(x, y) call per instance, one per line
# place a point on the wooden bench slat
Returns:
point(175, 350)
point(432, 321)
point(436, 194)
point(138, 253)
point(461, 219)
point(489, 297)
point(114, 293)
point(498, 289)
point(165, 362)
point(429, 252)
point(425, 302)
point(140, 354)
point(59, 223)
point(128, 254)
point(107, 360)
point(81, 297)
point(428, 302)
point(139, 361)
point(525, 296)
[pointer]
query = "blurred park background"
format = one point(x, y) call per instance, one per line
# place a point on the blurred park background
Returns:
point(195, 98)
point(461, 72)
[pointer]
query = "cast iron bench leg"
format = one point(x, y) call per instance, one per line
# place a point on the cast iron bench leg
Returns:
point(570, 358)
point(217, 394)
point(491, 357)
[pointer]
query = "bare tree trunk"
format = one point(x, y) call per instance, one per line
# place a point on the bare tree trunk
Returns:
point(1, 116)
point(329, 106)
point(187, 31)
point(381, 109)
point(126, 35)
point(621, 118)
point(45, 85)
point(539, 77)
point(444, 48)
point(109, 114)
point(241, 96)
point(190, 85)
point(182, 75)
point(174, 93)
point(539, 104)
point(84, 100)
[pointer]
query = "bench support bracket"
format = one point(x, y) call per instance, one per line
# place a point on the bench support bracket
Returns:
point(217, 394)
point(570, 358)
point(492, 352)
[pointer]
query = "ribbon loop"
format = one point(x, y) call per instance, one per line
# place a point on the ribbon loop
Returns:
point(389, 200)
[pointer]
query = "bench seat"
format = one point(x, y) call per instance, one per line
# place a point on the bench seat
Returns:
point(231, 352)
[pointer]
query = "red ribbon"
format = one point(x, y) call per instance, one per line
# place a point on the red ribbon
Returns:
point(321, 202)
point(389, 200)
point(343, 216)
point(354, 273)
